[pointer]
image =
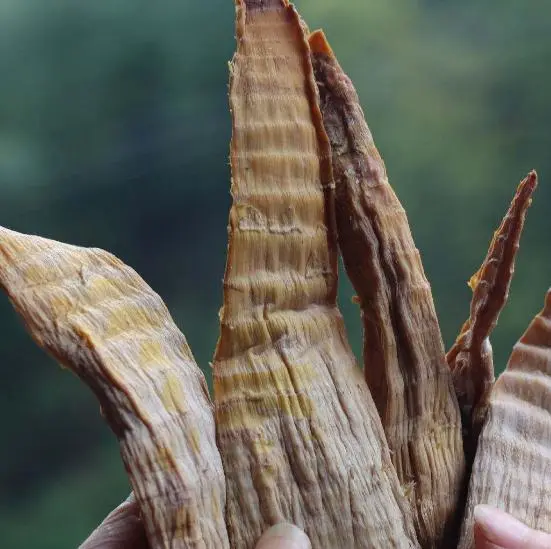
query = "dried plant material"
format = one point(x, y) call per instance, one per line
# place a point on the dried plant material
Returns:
point(100, 319)
point(404, 359)
point(512, 467)
point(298, 432)
point(471, 357)
point(296, 435)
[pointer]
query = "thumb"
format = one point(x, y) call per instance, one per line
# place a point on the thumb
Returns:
point(121, 529)
point(283, 536)
point(495, 529)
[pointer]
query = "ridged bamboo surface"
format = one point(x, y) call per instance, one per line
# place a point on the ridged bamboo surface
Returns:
point(297, 429)
point(404, 359)
point(97, 317)
point(512, 467)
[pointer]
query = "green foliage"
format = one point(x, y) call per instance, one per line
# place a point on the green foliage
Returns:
point(114, 132)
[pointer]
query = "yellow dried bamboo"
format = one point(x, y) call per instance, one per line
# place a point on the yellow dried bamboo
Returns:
point(297, 429)
point(96, 316)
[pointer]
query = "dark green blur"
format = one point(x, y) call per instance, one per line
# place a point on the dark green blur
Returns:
point(114, 132)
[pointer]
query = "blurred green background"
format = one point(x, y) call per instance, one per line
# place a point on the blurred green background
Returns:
point(114, 131)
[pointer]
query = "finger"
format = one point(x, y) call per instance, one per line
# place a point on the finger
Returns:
point(495, 529)
point(122, 529)
point(284, 536)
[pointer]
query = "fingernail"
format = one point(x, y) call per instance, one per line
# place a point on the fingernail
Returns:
point(284, 536)
point(499, 527)
point(131, 498)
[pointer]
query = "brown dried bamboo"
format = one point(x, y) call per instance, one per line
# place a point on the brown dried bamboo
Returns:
point(404, 359)
point(471, 356)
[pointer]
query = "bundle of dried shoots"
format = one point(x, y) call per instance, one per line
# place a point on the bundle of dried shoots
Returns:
point(296, 434)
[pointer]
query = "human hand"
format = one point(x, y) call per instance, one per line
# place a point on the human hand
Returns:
point(123, 529)
point(495, 529)
point(283, 536)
